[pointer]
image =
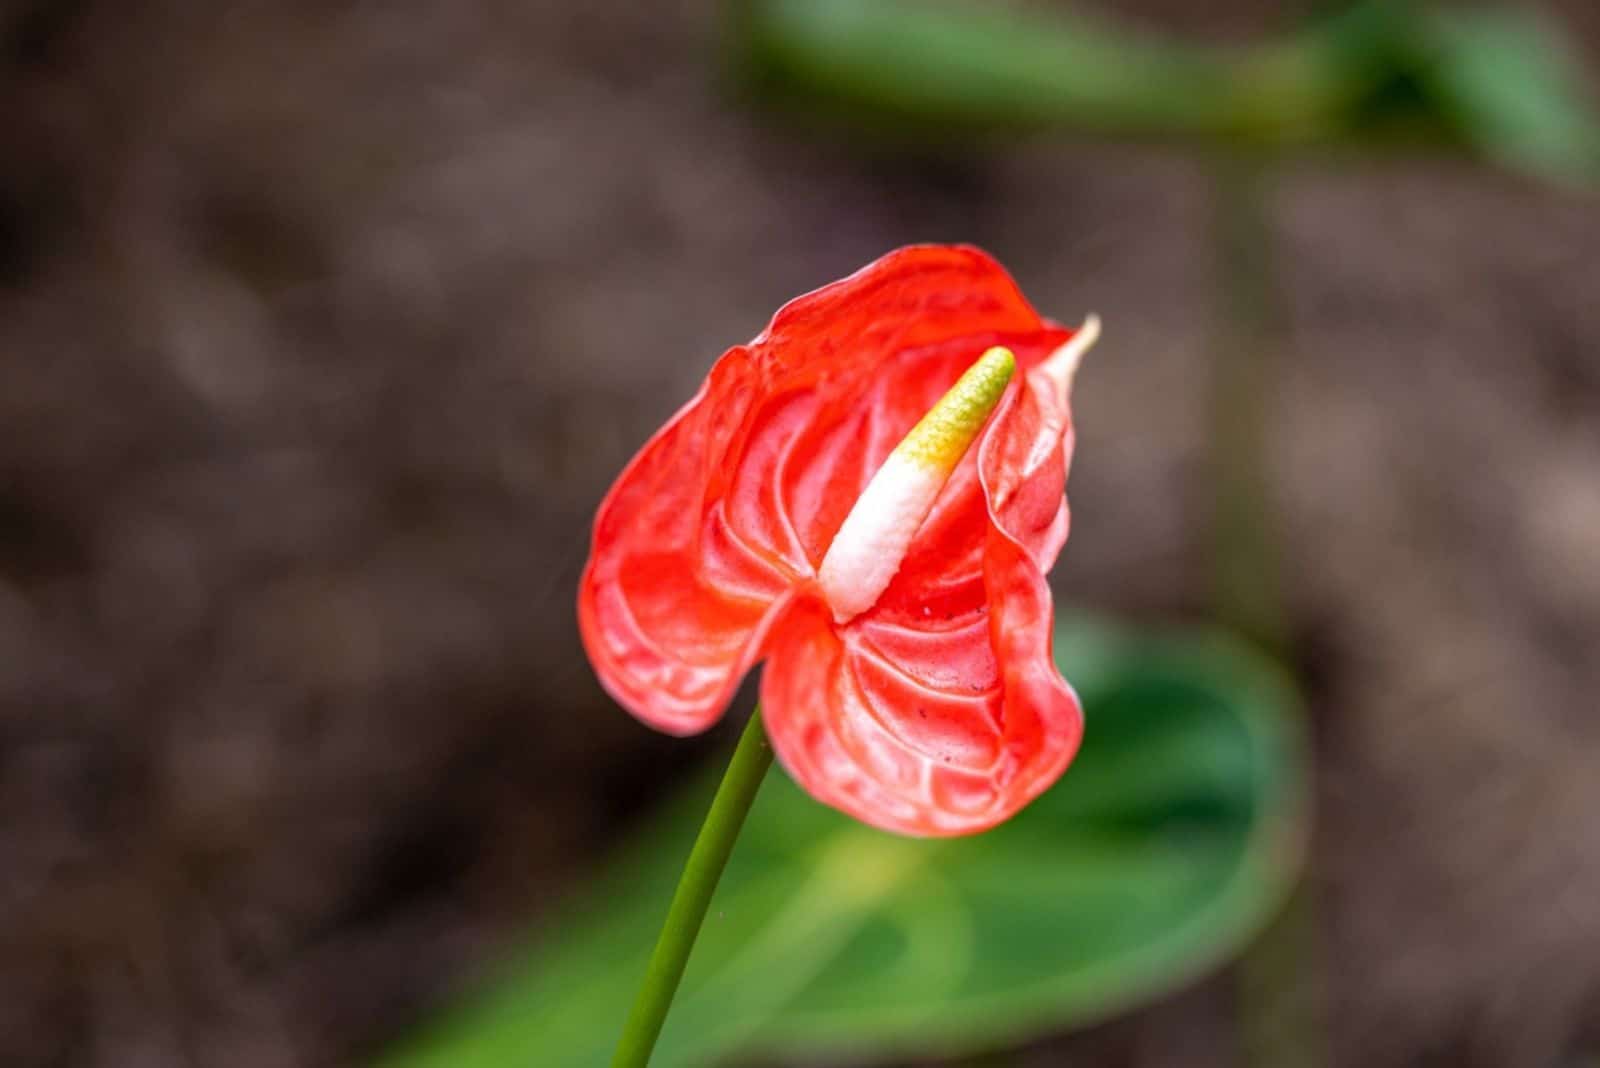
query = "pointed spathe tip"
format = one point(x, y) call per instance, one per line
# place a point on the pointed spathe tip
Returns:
point(1062, 365)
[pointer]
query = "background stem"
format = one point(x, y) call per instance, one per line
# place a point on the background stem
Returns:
point(1244, 551)
point(1278, 979)
point(712, 847)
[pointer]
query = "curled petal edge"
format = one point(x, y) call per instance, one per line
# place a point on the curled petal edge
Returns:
point(857, 758)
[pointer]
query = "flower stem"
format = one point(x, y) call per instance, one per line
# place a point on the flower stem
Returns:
point(712, 847)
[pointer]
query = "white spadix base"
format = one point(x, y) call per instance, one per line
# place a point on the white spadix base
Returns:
point(877, 533)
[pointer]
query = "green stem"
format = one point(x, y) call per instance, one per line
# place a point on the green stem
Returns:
point(1279, 978)
point(1247, 591)
point(712, 847)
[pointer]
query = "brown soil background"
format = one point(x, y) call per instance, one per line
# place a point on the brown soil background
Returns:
point(323, 327)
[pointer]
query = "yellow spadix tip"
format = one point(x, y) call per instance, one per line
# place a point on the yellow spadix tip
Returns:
point(941, 438)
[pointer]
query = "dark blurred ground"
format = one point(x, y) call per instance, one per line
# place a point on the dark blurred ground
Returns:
point(322, 328)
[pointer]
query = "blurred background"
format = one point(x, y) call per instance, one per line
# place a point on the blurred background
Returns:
point(323, 327)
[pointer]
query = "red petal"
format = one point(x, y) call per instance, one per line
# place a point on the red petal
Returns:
point(926, 731)
point(732, 504)
point(849, 369)
point(672, 600)
point(940, 711)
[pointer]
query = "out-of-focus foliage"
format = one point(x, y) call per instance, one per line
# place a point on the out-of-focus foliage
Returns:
point(1168, 843)
point(1496, 82)
point(1509, 85)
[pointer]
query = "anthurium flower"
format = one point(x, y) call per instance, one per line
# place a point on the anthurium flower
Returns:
point(867, 496)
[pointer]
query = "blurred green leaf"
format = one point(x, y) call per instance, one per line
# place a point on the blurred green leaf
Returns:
point(1172, 838)
point(936, 68)
point(1509, 85)
point(1501, 83)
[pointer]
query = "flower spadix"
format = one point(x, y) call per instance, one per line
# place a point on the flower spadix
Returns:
point(873, 540)
point(867, 496)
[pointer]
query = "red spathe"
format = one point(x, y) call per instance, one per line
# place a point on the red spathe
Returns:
point(939, 710)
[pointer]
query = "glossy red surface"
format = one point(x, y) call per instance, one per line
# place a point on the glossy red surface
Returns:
point(938, 711)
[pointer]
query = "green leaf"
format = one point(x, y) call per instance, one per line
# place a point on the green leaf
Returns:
point(1376, 74)
point(1511, 88)
point(1170, 841)
point(921, 69)
point(966, 65)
